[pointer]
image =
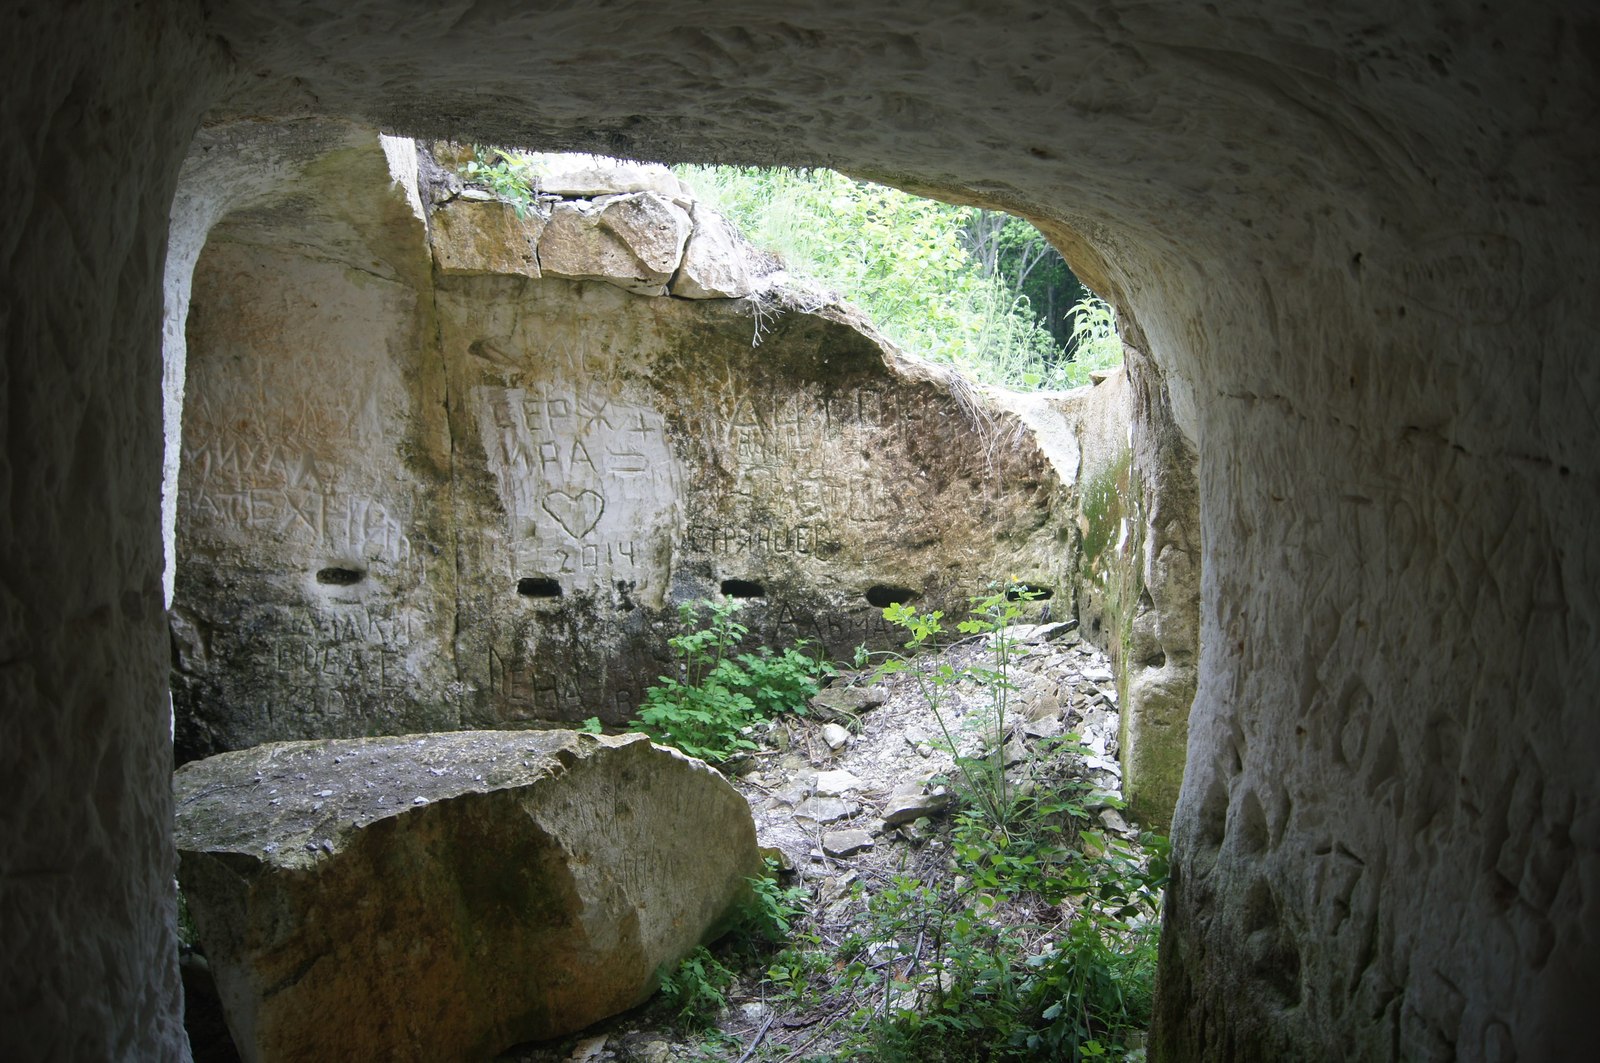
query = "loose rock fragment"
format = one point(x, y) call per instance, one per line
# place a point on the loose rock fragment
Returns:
point(836, 782)
point(910, 802)
point(846, 842)
point(824, 809)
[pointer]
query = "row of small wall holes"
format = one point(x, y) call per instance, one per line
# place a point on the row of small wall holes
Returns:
point(878, 596)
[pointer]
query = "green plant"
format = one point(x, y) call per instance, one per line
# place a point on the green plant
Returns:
point(768, 914)
point(981, 779)
point(951, 970)
point(975, 289)
point(1038, 941)
point(1042, 944)
point(1095, 982)
point(507, 174)
point(697, 989)
point(187, 935)
point(706, 709)
point(978, 290)
point(1096, 342)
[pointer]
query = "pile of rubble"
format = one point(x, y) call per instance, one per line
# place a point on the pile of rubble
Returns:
point(856, 792)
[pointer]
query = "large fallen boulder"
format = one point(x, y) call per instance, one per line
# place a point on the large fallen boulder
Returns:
point(444, 896)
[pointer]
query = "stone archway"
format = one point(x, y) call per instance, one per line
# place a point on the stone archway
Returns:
point(1360, 248)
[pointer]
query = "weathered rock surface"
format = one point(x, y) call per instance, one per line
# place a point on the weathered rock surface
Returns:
point(635, 241)
point(913, 800)
point(492, 237)
point(574, 458)
point(892, 773)
point(440, 897)
point(590, 176)
point(717, 262)
point(314, 534)
point(1362, 247)
point(849, 842)
point(1137, 578)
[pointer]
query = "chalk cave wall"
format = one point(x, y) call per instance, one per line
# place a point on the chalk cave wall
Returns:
point(315, 579)
point(1137, 566)
point(417, 498)
point(1360, 243)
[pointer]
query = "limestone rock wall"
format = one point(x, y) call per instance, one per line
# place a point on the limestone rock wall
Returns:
point(97, 116)
point(473, 495)
point(1158, 656)
point(315, 588)
point(1136, 563)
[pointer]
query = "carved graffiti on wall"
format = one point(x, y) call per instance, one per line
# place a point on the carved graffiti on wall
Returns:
point(584, 472)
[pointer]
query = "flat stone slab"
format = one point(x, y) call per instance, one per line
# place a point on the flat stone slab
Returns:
point(834, 783)
point(846, 701)
point(442, 897)
point(841, 843)
point(825, 809)
point(909, 802)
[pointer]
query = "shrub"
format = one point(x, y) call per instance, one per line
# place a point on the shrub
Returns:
point(1042, 943)
point(707, 708)
point(697, 989)
point(949, 283)
point(980, 780)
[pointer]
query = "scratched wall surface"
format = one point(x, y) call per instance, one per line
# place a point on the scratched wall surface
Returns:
point(626, 454)
point(1359, 239)
point(315, 575)
point(413, 502)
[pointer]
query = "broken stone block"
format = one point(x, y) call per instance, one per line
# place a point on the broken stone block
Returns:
point(1104, 764)
point(634, 241)
point(587, 176)
point(846, 701)
point(824, 809)
point(1044, 707)
point(1049, 727)
point(835, 736)
point(481, 238)
point(833, 783)
point(846, 842)
point(1112, 820)
point(716, 260)
point(536, 888)
point(910, 802)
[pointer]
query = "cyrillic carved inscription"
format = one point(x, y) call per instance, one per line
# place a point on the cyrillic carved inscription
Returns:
point(582, 472)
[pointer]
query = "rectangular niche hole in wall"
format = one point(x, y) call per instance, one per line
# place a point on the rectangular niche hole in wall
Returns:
point(538, 587)
point(339, 576)
point(742, 588)
point(882, 595)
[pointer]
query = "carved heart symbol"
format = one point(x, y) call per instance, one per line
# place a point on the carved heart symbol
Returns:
point(578, 513)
